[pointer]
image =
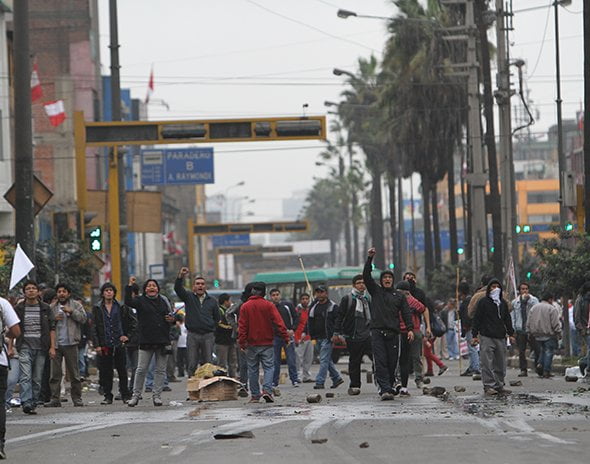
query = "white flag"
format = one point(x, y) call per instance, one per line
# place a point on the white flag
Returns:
point(21, 266)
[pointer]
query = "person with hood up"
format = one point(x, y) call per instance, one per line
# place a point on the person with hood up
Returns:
point(491, 324)
point(387, 304)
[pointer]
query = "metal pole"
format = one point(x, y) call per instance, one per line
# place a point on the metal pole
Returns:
point(23, 132)
point(113, 216)
point(561, 162)
point(586, 133)
point(121, 250)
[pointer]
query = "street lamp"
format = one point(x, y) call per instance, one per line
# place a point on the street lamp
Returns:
point(340, 72)
point(344, 14)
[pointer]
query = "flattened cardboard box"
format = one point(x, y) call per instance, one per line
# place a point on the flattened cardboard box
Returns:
point(217, 388)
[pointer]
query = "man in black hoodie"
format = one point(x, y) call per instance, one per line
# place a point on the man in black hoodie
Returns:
point(491, 323)
point(387, 305)
point(201, 319)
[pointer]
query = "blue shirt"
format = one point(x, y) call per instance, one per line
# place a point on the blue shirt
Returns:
point(113, 329)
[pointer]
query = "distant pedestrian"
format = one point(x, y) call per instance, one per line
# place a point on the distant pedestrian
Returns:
point(154, 317)
point(258, 322)
point(181, 358)
point(322, 315)
point(491, 325)
point(353, 324)
point(290, 319)
point(69, 317)
point(464, 298)
point(9, 323)
point(201, 319)
point(132, 345)
point(233, 317)
point(32, 345)
point(225, 342)
point(304, 348)
point(521, 307)
point(387, 307)
point(544, 324)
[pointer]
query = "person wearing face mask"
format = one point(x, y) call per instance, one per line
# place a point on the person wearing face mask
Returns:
point(154, 317)
point(491, 325)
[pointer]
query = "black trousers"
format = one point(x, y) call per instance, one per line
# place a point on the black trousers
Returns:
point(3, 379)
point(522, 340)
point(385, 346)
point(115, 358)
point(181, 361)
point(356, 350)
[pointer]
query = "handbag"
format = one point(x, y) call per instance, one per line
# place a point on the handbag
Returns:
point(437, 326)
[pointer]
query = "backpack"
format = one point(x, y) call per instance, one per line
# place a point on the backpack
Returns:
point(437, 326)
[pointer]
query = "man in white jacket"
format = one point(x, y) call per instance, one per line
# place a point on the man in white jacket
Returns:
point(543, 323)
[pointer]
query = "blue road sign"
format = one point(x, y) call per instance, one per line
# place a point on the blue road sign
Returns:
point(177, 166)
point(231, 240)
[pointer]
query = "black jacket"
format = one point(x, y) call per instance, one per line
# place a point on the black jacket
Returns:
point(152, 326)
point(465, 319)
point(490, 320)
point(224, 331)
point(199, 318)
point(46, 323)
point(288, 313)
point(346, 319)
point(386, 304)
point(320, 323)
point(128, 323)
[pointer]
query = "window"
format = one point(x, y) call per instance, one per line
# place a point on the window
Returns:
point(543, 218)
point(547, 196)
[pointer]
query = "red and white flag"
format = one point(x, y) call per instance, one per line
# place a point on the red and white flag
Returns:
point(36, 89)
point(56, 112)
point(150, 89)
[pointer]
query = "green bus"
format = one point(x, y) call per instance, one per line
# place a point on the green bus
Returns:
point(292, 283)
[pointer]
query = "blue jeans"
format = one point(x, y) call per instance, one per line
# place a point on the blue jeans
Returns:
point(452, 346)
point(82, 361)
point(547, 349)
point(326, 364)
point(278, 344)
point(257, 355)
point(12, 379)
point(31, 373)
point(574, 341)
point(473, 353)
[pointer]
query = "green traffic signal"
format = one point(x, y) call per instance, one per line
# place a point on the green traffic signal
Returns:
point(216, 283)
point(391, 266)
point(460, 250)
point(518, 229)
point(528, 275)
point(492, 249)
point(569, 227)
point(95, 236)
point(526, 228)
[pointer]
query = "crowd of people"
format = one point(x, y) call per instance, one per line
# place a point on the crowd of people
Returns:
point(150, 344)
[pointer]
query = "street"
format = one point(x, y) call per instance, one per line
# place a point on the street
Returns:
point(543, 421)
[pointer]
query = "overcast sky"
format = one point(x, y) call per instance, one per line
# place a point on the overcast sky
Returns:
point(240, 58)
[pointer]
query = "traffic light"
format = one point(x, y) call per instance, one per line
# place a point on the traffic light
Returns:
point(492, 249)
point(216, 283)
point(95, 239)
point(518, 229)
point(526, 229)
point(528, 275)
point(460, 250)
point(391, 266)
point(569, 227)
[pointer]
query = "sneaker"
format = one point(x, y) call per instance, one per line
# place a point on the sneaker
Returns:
point(133, 401)
point(466, 373)
point(404, 391)
point(490, 392)
point(353, 391)
point(318, 386)
point(53, 404)
point(442, 370)
point(539, 370)
point(166, 389)
point(107, 400)
point(338, 382)
point(397, 388)
point(29, 409)
point(295, 384)
point(503, 391)
point(243, 393)
point(523, 374)
point(78, 403)
point(157, 401)
point(266, 396)
point(387, 396)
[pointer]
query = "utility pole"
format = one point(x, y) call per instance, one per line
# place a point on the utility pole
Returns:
point(503, 95)
point(23, 132)
point(561, 162)
point(477, 178)
point(586, 113)
point(117, 203)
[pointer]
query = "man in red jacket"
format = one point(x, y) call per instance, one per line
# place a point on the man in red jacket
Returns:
point(258, 321)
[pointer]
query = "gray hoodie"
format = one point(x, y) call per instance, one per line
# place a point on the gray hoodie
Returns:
point(543, 321)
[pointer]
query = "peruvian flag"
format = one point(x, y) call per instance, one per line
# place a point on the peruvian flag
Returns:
point(56, 112)
point(36, 90)
point(150, 89)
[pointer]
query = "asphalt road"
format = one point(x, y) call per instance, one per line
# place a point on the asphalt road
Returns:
point(543, 421)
